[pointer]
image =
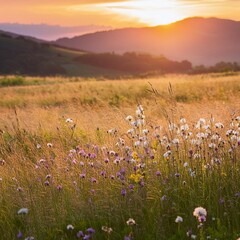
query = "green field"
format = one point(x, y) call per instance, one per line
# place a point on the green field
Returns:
point(90, 158)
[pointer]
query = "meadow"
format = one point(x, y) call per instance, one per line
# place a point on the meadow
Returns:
point(144, 159)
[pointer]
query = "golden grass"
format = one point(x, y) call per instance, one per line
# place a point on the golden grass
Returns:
point(103, 104)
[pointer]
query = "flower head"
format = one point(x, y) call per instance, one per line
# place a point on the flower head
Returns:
point(107, 229)
point(70, 227)
point(178, 219)
point(131, 222)
point(23, 211)
point(199, 211)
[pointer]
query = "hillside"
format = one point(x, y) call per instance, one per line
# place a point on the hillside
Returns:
point(198, 40)
point(25, 55)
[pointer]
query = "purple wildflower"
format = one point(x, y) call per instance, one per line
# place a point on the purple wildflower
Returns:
point(123, 192)
point(80, 234)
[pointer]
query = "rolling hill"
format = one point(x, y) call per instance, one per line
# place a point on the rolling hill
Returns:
point(198, 40)
point(30, 56)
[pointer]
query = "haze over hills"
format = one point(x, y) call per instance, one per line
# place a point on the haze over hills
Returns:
point(199, 40)
point(50, 32)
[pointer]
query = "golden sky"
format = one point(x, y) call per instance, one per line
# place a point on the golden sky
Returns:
point(114, 13)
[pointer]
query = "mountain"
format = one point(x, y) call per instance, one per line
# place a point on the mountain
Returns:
point(50, 32)
point(198, 40)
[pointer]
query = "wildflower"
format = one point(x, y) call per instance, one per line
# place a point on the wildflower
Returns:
point(87, 237)
point(193, 236)
point(164, 198)
point(69, 120)
point(39, 146)
point(158, 173)
point(112, 131)
point(2, 162)
point(82, 175)
point(50, 145)
point(48, 176)
point(19, 189)
point(175, 141)
point(183, 120)
point(93, 180)
point(47, 183)
point(185, 164)
point(200, 212)
point(107, 229)
point(127, 238)
point(19, 235)
point(219, 125)
point(131, 222)
point(177, 174)
point(123, 192)
point(201, 122)
point(129, 118)
point(130, 131)
point(202, 219)
point(167, 154)
point(80, 234)
point(137, 143)
point(70, 227)
point(90, 230)
point(178, 219)
point(145, 131)
point(29, 238)
point(184, 127)
point(131, 187)
point(23, 211)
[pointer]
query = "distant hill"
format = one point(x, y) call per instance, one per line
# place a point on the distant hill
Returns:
point(198, 40)
point(50, 32)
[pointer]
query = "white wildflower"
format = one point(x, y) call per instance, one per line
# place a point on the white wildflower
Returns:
point(178, 219)
point(23, 211)
point(70, 227)
point(200, 211)
point(131, 222)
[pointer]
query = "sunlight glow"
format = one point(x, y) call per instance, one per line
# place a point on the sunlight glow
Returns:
point(148, 12)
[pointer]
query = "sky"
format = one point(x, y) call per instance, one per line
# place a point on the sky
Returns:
point(131, 13)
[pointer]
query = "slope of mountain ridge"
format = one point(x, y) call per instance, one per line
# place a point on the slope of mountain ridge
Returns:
point(199, 40)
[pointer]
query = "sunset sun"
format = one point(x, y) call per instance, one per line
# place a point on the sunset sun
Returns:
point(149, 12)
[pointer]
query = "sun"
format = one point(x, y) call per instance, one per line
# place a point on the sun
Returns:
point(149, 12)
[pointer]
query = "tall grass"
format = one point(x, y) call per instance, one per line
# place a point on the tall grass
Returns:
point(99, 170)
